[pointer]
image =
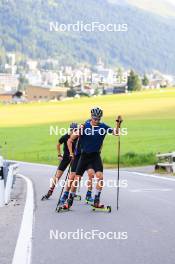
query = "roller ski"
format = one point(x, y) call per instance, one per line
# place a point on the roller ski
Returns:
point(65, 197)
point(47, 196)
point(65, 207)
point(62, 202)
point(97, 207)
point(101, 208)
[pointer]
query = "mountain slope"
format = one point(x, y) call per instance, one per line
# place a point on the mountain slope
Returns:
point(148, 44)
point(160, 7)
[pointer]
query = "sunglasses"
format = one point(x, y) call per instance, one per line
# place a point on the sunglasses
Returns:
point(96, 118)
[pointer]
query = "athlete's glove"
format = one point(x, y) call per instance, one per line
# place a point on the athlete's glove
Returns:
point(60, 157)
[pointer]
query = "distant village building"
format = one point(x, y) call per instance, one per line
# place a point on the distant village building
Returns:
point(10, 67)
point(88, 90)
point(6, 97)
point(100, 65)
point(49, 78)
point(38, 93)
point(1, 89)
point(11, 58)
point(173, 81)
point(11, 97)
point(122, 88)
point(68, 70)
point(104, 75)
point(158, 80)
point(34, 77)
point(46, 78)
point(8, 82)
point(32, 64)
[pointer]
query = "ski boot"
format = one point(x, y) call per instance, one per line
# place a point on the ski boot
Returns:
point(70, 201)
point(66, 207)
point(89, 199)
point(64, 198)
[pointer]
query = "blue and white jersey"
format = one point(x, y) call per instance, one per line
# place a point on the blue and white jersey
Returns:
point(92, 137)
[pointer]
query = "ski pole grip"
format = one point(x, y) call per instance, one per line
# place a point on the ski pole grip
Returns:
point(119, 120)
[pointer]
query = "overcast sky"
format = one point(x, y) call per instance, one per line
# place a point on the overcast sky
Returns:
point(170, 1)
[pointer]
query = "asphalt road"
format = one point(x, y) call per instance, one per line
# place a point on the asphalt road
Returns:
point(147, 211)
point(10, 220)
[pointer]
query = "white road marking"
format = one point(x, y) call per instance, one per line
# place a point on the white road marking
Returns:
point(152, 176)
point(23, 250)
point(33, 164)
point(150, 190)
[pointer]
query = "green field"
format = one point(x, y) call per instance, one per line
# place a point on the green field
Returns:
point(148, 116)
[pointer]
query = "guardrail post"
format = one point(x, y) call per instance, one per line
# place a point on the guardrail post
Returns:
point(173, 156)
point(8, 185)
point(2, 186)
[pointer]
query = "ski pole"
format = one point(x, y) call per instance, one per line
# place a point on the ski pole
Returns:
point(68, 172)
point(54, 181)
point(118, 172)
point(119, 121)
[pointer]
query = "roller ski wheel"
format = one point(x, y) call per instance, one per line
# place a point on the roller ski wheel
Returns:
point(101, 208)
point(63, 208)
point(77, 197)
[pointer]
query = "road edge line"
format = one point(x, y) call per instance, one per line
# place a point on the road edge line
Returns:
point(23, 250)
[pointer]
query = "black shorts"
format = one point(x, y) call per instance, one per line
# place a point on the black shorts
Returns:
point(64, 163)
point(89, 160)
point(75, 163)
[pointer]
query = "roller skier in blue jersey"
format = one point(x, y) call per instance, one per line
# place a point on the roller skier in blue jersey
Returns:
point(91, 138)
